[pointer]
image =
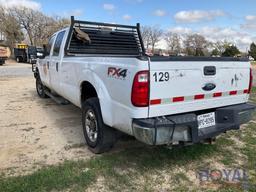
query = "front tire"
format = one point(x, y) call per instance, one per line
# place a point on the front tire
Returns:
point(40, 89)
point(99, 137)
point(18, 60)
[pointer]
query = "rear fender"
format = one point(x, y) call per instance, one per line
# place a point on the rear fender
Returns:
point(103, 95)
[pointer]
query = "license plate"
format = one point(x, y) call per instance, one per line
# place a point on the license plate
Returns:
point(206, 120)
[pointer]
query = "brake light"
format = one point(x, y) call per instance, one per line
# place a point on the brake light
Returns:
point(250, 82)
point(140, 89)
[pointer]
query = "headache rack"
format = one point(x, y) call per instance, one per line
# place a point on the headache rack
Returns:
point(105, 38)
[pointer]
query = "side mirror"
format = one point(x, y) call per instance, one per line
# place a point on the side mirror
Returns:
point(45, 51)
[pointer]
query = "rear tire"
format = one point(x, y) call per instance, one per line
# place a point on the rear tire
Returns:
point(99, 137)
point(40, 89)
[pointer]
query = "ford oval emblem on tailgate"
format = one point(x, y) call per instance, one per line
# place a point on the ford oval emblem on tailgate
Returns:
point(209, 86)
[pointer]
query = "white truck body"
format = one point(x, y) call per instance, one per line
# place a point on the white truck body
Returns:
point(176, 85)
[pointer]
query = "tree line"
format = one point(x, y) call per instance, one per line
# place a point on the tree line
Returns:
point(190, 44)
point(35, 27)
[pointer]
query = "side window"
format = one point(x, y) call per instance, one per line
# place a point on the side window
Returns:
point(56, 49)
point(49, 46)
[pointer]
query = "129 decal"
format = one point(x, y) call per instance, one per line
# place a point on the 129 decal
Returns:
point(161, 76)
point(117, 72)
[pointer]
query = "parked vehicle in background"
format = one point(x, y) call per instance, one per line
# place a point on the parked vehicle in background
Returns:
point(251, 58)
point(5, 53)
point(39, 52)
point(103, 69)
point(20, 55)
point(25, 53)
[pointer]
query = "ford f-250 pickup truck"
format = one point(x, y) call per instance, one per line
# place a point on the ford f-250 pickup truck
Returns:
point(103, 69)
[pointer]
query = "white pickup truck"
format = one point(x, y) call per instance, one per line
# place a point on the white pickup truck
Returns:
point(103, 69)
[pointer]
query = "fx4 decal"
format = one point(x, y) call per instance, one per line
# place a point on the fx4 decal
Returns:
point(117, 72)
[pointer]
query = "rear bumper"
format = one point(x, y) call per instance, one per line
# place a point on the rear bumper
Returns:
point(184, 127)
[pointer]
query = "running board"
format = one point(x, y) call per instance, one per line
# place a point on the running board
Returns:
point(58, 99)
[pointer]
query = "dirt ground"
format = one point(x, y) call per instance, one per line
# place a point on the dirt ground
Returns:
point(35, 132)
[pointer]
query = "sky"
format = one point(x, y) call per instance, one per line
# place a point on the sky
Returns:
point(233, 20)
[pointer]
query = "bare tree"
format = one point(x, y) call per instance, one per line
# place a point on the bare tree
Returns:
point(151, 35)
point(10, 28)
point(27, 20)
point(38, 27)
point(46, 27)
point(195, 45)
point(145, 33)
point(155, 36)
point(173, 41)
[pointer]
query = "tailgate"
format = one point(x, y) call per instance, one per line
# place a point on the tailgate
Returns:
point(185, 86)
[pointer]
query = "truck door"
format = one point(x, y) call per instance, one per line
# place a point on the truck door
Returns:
point(55, 63)
point(44, 64)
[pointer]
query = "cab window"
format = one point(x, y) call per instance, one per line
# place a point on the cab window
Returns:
point(49, 46)
point(56, 49)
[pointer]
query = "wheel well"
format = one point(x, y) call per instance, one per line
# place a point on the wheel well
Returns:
point(87, 91)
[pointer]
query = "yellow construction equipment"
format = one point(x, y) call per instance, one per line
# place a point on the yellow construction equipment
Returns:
point(22, 46)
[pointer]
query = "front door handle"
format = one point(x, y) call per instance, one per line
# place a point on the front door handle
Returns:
point(57, 66)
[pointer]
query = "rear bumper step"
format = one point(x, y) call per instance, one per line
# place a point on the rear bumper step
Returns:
point(184, 127)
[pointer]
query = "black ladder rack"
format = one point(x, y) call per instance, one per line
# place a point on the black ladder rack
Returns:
point(106, 39)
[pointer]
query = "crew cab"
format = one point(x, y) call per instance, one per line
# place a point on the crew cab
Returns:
point(103, 69)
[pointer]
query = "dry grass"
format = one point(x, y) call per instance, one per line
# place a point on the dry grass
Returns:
point(151, 168)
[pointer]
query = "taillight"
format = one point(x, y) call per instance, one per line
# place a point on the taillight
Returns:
point(250, 82)
point(140, 89)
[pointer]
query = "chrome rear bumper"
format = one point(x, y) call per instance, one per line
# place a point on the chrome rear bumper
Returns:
point(184, 127)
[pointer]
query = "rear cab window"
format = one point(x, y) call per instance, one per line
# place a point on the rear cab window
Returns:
point(57, 44)
point(49, 45)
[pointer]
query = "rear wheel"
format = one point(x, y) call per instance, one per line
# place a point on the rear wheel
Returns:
point(99, 137)
point(40, 88)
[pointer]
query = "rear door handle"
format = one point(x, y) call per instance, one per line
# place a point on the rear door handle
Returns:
point(57, 66)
